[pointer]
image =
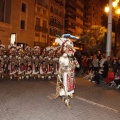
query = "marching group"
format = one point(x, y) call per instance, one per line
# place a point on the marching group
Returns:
point(98, 68)
point(16, 62)
point(34, 62)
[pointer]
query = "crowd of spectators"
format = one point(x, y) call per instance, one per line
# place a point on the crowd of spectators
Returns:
point(100, 67)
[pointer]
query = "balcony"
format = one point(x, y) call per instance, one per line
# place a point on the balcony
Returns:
point(67, 16)
point(70, 26)
point(56, 25)
point(41, 3)
point(44, 30)
point(70, 9)
point(70, 6)
point(41, 29)
point(38, 28)
point(59, 2)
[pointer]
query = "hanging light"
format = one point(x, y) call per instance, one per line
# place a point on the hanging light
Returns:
point(118, 11)
point(107, 9)
point(114, 4)
point(117, 0)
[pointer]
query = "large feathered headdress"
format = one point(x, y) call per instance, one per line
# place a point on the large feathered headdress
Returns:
point(65, 42)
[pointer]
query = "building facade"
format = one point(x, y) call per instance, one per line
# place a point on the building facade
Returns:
point(56, 19)
point(76, 18)
point(95, 12)
point(38, 22)
point(51, 18)
point(17, 22)
point(41, 24)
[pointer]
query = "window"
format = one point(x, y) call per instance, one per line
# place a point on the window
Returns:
point(37, 37)
point(22, 24)
point(37, 21)
point(45, 23)
point(60, 13)
point(5, 11)
point(23, 7)
point(44, 12)
point(52, 19)
point(56, 11)
point(43, 40)
point(51, 8)
point(50, 31)
point(2, 9)
point(38, 9)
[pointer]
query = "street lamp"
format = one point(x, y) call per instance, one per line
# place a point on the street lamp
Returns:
point(113, 10)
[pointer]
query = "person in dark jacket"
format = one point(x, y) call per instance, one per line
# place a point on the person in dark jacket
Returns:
point(107, 64)
point(115, 64)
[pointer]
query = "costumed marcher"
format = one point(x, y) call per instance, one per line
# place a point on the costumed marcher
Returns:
point(2, 56)
point(28, 61)
point(21, 63)
point(49, 69)
point(35, 62)
point(66, 72)
point(13, 61)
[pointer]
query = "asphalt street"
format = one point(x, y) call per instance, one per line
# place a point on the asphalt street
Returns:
point(29, 100)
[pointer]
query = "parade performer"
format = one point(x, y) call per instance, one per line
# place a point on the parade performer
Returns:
point(35, 62)
point(28, 61)
point(2, 56)
point(50, 63)
point(21, 63)
point(66, 73)
point(13, 60)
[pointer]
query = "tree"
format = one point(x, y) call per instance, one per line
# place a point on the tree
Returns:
point(95, 38)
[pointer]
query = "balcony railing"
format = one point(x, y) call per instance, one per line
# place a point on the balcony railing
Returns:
point(59, 2)
point(70, 26)
point(56, 25)
point(41, 29)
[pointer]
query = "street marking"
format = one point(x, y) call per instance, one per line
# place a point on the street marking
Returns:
point(88, 101)
point(97, 104)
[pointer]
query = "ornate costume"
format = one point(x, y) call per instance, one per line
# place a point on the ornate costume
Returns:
point(66, 73)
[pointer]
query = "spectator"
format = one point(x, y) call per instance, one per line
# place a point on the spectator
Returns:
point(83, 68)
point(117, 78)
point(102, 60)
point(114, 64)
point(95, 63)
point(110, 76)
point(106, 65)
point(97, 77)
point(90, 65)
point(99, 55)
